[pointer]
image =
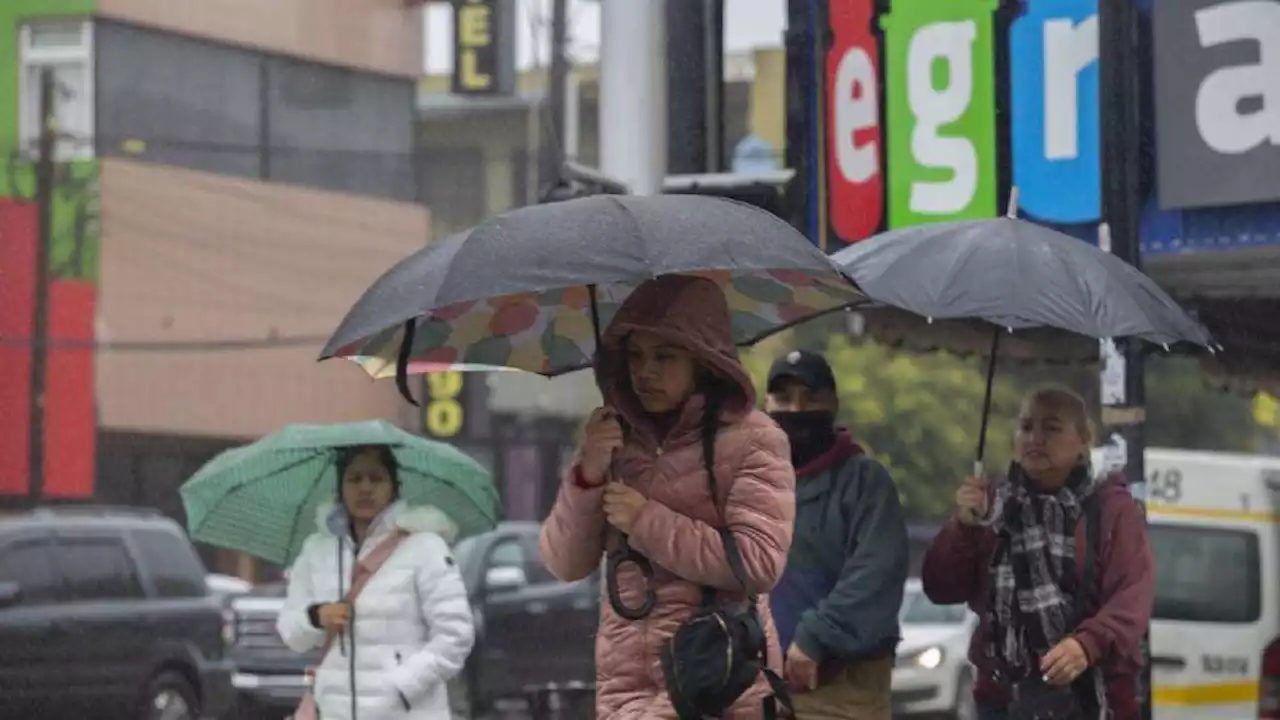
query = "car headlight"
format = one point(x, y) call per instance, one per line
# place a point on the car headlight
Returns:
point(930, 658)
point(927, 659)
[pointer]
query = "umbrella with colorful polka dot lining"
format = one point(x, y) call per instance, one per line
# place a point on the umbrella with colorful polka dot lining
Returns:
point(531, 289)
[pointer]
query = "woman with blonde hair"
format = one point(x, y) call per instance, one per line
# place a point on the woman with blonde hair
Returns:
point(1057, 565)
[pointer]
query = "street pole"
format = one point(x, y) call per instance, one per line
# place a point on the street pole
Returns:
point(40, 303)
point(1121, 91)
point(695, 87)
point(633, 93)
point(553, 137)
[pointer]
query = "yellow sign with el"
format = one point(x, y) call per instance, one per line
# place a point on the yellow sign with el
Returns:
point(443, 415)
point(475, 50)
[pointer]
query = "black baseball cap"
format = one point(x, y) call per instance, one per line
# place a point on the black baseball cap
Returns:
point(808, 368)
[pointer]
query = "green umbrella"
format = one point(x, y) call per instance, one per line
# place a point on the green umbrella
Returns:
point(262, 498)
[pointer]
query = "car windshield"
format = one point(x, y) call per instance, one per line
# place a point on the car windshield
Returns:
point(919, 610)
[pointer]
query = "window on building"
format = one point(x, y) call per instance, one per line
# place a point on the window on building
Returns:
point(98, 568)
point(213, 107)
point(64, 47)
point(178, 101)
point(453, 185)
point(339, 129)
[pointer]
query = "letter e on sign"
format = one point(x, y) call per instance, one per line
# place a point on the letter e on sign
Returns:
point(853, 107)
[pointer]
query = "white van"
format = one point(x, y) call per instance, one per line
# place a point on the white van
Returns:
point(1215, 635)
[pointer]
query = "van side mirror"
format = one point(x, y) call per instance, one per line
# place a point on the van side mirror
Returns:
point(10, 594)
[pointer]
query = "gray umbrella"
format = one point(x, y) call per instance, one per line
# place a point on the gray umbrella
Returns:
point(532, 288)
point(1015, 275)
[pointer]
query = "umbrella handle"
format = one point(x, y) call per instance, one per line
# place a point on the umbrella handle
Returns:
point(627, 554)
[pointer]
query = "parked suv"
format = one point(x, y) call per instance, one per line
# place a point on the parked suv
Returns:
point(105, 613)
point(535, 635)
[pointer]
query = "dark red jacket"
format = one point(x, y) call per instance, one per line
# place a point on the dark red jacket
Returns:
point(956, 569)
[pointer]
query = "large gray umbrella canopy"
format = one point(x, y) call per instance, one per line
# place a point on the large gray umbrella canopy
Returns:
point(424, 313)
point(1015, 275)
point(1019, 275)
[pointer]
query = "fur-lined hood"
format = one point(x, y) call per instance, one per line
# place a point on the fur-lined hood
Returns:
point(331, 519)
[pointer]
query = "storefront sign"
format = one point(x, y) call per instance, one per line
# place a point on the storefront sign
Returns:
point(939, 147)
point(1217, 68)
point(484, 47)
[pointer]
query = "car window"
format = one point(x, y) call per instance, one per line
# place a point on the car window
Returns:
point(30, 564)
point(507, 553)
point(535, 569)
point(919, 610)
point(521, 552)
point(171, 563)
point(1194, 564)
point(98, 568)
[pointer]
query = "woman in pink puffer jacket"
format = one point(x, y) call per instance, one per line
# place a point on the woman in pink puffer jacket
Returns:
point(666, 361)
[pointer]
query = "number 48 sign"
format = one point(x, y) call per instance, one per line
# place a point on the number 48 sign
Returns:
point(1165, 486)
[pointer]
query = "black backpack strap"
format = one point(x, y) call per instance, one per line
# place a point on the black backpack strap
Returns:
point(1092, 519)
point(780, 695)
point(731, 552)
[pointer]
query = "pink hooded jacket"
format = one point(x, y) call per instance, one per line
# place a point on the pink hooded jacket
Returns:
point(676, 529)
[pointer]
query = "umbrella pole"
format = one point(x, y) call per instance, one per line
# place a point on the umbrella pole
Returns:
point(624, 552)
point(978, 468)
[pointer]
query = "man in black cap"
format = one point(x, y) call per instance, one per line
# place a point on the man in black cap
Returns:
point(836, 606)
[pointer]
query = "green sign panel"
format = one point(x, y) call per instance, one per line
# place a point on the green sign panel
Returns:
point(940, 110)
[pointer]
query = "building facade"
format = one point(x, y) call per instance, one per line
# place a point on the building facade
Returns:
point(232, 174)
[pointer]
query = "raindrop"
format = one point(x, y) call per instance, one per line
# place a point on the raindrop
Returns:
point(929, 320)
point(1166, 346)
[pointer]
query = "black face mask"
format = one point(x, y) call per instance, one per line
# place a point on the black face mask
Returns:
point(811, 432)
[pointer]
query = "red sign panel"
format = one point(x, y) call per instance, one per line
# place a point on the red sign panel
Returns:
point(854, 177)
point(70, 420)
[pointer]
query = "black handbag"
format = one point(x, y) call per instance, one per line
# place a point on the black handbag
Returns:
point(716, 655)
point(1033, 698)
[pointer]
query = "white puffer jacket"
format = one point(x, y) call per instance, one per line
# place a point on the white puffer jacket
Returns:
point(412, 622)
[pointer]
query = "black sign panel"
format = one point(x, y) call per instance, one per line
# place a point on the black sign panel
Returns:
point(1217, 68)
point(484, 47)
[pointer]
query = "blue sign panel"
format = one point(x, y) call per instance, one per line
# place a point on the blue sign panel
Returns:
point(1053, 48)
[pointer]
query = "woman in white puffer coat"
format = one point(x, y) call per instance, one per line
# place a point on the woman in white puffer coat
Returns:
point(411, 624)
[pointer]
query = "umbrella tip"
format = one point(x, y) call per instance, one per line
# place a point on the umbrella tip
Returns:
point(1013, 202)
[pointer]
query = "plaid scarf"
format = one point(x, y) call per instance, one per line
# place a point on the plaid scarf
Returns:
point(1034, 566)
